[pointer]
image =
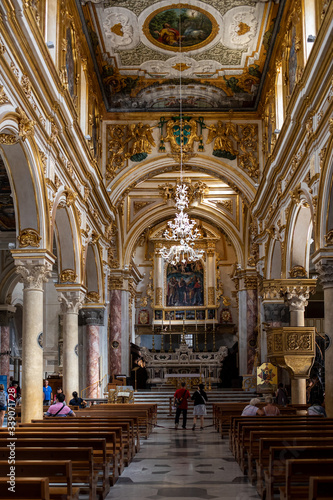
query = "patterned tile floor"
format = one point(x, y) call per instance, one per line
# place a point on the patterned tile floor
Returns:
point(183, 464)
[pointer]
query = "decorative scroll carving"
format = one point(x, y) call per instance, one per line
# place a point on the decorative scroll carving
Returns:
point(195, 191)
point(67, 276)
point(329, 238)
point(298, 272)
point(70, 196)
point(92, 297)
point(139, 205)
point(251, 282)
point(8, 139)
point(223, 136)
point(29, 238)
point(26, 126)
point(226, 204)
point(3, 97)
point(248, 160)
point(297, 342)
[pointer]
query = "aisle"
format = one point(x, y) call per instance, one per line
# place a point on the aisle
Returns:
point(183, 464)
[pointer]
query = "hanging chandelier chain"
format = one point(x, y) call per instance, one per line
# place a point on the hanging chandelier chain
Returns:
point(182, 230)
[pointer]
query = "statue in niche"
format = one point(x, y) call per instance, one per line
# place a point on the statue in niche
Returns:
point(223, 145)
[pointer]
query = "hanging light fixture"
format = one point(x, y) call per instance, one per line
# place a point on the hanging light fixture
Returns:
point(182, 230)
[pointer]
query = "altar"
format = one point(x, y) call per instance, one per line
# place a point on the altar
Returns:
point(184, 363)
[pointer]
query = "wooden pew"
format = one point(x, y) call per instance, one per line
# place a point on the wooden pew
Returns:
point(249, 449)
point(82, 460)
point(81, 434)
point(101, 460)
point(298, 473)
point(36, 488)
point(59, 471)
point(272, 471)
point(123, 446)
point(320, 488)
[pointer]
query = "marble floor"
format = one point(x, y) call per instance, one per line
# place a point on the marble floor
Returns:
point(183, 464)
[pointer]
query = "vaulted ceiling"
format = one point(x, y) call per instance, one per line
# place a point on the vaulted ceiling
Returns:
point(218, 50)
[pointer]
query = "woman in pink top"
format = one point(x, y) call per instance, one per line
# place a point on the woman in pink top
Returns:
point(270, 410)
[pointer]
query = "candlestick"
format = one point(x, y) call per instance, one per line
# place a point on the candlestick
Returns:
point(205, 346)
point(196, 342)
point(153, 343)
point(162, 341)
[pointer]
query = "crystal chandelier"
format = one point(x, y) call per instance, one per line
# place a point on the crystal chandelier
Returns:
point(182, 230)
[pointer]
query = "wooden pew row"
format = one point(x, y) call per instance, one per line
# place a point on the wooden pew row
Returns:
point(272, 471)
point(238, 422)
point(241, 439)
point(223, 413)
point(59, 471)
point(82, 460)
point(298, 473)
point(101, 459)
point(114, 458)
point(248, 464)
point(91, 419)
point(146, 413)
point(36, 488)
point(320, 488)
point(124, 439)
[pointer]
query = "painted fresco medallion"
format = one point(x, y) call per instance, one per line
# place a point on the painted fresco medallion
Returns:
point(180, 27)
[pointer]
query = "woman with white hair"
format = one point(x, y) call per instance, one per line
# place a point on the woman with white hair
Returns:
point(270, 410)
point(252, 410)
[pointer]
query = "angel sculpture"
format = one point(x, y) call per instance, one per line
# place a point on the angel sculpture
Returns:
point(143, 141)
point(223, 146)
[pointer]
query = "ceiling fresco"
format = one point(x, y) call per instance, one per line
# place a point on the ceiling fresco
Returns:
point(143, 49)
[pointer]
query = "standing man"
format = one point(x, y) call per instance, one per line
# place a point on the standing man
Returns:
point(47, 393)
point(180, 401)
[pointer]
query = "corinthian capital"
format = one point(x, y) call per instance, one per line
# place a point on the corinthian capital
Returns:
point(325, 271)
point(297, 298)
point(71, 300)
point(33, 275)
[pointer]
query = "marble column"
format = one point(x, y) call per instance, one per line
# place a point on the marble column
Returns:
point(115, 348)
point(325, 269)
point(33, 274)
point(6, 313)
point(297, 299)
point(71, 298)
point(93, 319)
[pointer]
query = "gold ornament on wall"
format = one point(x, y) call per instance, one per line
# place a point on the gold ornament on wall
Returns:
point(29, 238)
point(298, 272)
point(67, 276)
point(3, 97)
point(26, 126)
point(8, 139)
point(92, 297)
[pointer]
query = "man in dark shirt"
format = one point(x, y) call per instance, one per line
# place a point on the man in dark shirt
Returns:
point(180, 401)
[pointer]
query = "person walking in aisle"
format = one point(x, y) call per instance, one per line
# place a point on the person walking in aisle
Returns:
point(180, 401)
point(200, 400)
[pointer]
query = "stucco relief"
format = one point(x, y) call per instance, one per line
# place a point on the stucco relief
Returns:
point(120, 26)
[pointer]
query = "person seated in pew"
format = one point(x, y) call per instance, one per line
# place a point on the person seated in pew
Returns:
point(316, 409)
point(76, 401)
point(59, 391)
point(59, 408)
point(251, 410)
point(270, 410)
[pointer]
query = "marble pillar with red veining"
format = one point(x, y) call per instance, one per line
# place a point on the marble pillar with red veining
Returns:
point(4, 359)
point(115, 332)
point(252, 318)
point(92, 353)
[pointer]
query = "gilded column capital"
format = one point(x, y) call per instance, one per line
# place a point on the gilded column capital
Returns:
point(71, 298)
point(297, 297)
point(92, 316)
point(325, 271)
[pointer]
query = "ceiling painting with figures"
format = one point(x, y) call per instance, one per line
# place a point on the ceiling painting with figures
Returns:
point(142, 49)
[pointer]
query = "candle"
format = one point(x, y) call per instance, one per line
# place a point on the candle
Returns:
point(169, 321)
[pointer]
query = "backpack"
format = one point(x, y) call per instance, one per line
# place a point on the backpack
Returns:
point(3, 399)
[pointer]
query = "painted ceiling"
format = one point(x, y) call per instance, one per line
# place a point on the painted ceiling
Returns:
point(145, 51)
